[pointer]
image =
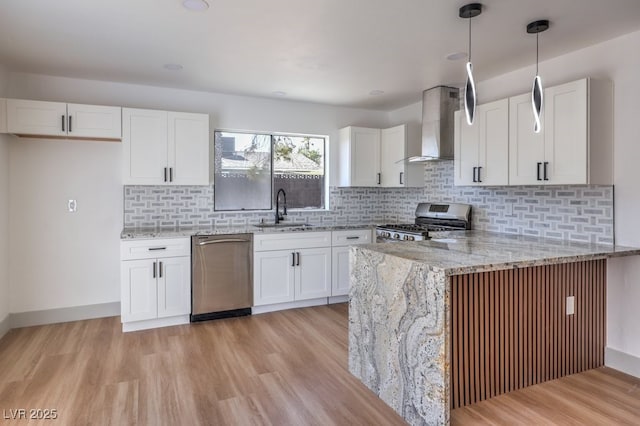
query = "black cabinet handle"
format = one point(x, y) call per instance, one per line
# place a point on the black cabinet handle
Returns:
point(353, 238)
point(401, 176)
point(474, 174)
point(160, 269)
point(538, 171)
point(546, 171)
point(70, 122)
point(170, 174)
point(154, 269)
point(165, 174)
point(379, 178)
point(63, 123)
point(479, 170)
point(156, 248)
point(293, 259)
point(298, 258)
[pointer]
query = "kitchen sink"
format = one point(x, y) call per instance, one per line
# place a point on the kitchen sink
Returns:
point(283, 225)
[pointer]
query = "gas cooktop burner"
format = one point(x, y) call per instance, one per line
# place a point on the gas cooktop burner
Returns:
point(430, 217)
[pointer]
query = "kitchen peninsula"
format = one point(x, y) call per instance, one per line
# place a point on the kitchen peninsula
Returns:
point(439, 324)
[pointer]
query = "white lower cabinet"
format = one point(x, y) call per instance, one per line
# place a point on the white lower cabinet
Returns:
point(291, 269)
point(313, 273)
point(288, 268)
point(273, 277)
point(341, 241)
point(155, 289)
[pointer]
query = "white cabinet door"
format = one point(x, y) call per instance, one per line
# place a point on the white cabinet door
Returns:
point(393, 143)
point(174, 286)
point(340, 271)
point(3, 116)
point(526, 148)
point(365, 157)
point(466, 150)
point(145, 146)
point(273, 277)
point(493, 148)
point(36, 118)
point(565, 133)
point(188, 148)
point(482, 149)
point(92, 121)
point(138, 290)
point(313, 273)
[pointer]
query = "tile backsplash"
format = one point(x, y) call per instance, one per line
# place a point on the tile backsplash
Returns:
point(578, 213)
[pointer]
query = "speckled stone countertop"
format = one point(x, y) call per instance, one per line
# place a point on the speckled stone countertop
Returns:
point(477, 251)
point(149, 233)
point(399, 322)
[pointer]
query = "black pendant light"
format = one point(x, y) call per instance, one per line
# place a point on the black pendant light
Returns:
point(467, 12)
point(537, 97)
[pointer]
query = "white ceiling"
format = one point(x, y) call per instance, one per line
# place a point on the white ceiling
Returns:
point(326, 51)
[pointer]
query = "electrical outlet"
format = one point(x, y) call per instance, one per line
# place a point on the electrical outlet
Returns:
point(571, 305)
point(72, 206)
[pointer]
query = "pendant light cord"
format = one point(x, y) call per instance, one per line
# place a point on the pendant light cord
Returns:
point(537, 48)
point(469, 39)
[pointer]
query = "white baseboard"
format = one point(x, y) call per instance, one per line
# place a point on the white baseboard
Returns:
point(5, 325)
point(76, 313)
point(622, 361)
point(155, 323)
point(339, 299)
point(288, 305)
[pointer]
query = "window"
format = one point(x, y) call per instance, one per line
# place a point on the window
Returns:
point(251, 167)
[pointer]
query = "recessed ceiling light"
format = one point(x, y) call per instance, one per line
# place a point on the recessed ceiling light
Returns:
point(197, 5)
point(173, 67)
point(456, 56)
point(376, 92)
point(279, 93)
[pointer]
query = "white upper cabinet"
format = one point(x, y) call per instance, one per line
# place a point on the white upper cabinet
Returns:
point(359, 156)
point(36, 118)
point(145, 144)
point(57, 119)
point(482, 149)
point(93, 121)
point(165, 148)
point(575, 145)
point(3, 116)
point(375, 157)
point(189, 148)
point(395, 148)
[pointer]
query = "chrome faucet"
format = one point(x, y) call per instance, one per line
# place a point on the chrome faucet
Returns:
point(279, 216)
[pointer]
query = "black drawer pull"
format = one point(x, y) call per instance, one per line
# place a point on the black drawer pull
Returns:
point(157, 248)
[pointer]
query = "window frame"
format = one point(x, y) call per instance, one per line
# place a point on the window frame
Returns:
point(273, 135)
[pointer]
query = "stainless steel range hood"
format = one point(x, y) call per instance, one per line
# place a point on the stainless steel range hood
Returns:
point(438, 106)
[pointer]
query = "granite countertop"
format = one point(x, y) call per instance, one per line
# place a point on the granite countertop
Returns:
point(477, 251)
point(176, 232)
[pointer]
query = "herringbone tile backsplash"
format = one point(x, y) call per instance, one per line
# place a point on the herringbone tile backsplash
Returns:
point(577, 213)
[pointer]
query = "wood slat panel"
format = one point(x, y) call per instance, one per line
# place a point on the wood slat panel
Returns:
point(510, 329)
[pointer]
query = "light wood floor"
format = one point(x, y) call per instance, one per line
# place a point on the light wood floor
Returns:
point(284, 368)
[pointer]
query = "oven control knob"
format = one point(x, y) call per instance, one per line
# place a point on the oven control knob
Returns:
point(406, 238)
point(396, 236)
point(411, 238)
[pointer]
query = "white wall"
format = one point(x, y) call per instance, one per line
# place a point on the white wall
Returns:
point(4, 215)
point(618, 61)
point(59, 259)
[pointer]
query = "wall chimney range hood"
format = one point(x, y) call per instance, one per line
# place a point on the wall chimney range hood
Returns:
point(438, 107)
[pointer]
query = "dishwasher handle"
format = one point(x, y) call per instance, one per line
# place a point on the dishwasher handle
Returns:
point(226, 240)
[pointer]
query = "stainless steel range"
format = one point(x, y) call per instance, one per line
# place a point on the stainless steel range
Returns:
point(430, 217)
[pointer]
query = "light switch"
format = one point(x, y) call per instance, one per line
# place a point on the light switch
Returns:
point(571, 305)
point(72, 206)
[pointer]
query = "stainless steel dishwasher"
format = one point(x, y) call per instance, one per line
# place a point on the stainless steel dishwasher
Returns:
point(222, 276)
